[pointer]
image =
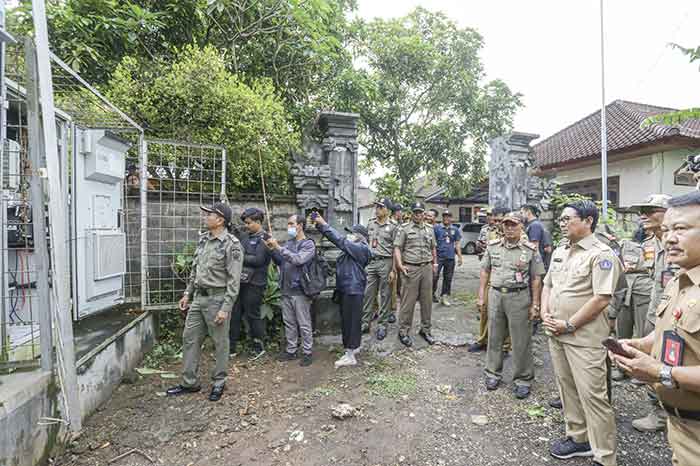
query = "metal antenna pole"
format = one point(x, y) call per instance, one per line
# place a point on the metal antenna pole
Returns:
point(603, 122)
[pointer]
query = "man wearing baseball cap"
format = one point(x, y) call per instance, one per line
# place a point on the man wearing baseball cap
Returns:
point(381, 235)
point(213, 288)
point(416, 260)
point(651, 216)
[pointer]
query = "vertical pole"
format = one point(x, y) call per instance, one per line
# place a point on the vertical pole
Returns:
point(36, 195)
point(603, 122)
point(224, 197)
point(58, 217)
point(143, 191)
point(3, 234)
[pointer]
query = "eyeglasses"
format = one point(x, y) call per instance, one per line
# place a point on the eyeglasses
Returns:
point(566, 218)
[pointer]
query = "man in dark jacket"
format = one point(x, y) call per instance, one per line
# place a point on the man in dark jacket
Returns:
point(256, 260)
point(350, 283)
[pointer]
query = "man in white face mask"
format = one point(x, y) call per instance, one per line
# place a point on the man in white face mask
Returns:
point(296, 306)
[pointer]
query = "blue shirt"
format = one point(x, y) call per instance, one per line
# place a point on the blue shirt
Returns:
point(446, 239)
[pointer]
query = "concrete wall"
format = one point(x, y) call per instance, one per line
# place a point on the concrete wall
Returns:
point(101, 370)
point(639, 176)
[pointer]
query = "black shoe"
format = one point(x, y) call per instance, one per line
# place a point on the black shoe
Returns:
point(435, 299)
point(556, 403)
point(405, 340)
point(476, 347)
point(392, 318)
point(284, 356)
point(564, 449)
point(257, 352)
point(492, 383)
point(181, 390)
point(231, 351)
point(381, 333)
point(427, 337)
point(522, 392)
point(306, 360)
point(216, 393)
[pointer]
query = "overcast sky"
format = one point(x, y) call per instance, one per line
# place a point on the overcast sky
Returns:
point(549, 50)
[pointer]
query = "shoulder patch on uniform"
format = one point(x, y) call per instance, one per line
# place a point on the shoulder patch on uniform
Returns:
point(605, 264)
point(529, 245)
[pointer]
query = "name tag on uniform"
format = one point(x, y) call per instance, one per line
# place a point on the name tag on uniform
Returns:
point(666, 277)
point(672, 348)
point(447, 239)
point(375, 243)
point(519, 277)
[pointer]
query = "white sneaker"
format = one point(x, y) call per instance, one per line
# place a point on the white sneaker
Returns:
point(348, 359)
point(445, 302)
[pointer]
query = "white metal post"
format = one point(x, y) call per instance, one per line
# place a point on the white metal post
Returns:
point(603, 122)
point(143, 191)
point(58, 216)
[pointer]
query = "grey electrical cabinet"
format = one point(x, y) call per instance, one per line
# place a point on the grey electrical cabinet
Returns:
point(99, 242)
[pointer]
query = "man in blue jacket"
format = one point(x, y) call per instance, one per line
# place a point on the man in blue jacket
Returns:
point(350, 283)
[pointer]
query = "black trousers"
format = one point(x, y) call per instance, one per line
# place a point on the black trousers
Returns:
point(447, 268)
point(247, 305)
point(351, 319)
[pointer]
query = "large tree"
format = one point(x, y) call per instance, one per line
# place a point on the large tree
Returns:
point(425, 104)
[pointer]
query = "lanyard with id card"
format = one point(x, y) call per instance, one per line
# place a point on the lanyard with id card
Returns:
point(672, 344)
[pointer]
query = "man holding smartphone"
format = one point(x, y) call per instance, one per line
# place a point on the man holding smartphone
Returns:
point(580, 283)
point(669, 357)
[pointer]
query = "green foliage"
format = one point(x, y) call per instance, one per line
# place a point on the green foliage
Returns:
point(392, 385)
point(197, 99)
point(182, 263)
point(272, 300)
point(423, 99)
point(390, 186)
point(559, 202)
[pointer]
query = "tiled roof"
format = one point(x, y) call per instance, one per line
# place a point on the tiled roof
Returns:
point(581, 140)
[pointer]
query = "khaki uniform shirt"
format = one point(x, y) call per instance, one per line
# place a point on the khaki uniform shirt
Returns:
point(577, 273)
point(682, 294)
point(416, 243)
point(512, 265)
point(381, 237)
point(217, 263)
point(489, 233)
point(636, 269)
point(660, 271)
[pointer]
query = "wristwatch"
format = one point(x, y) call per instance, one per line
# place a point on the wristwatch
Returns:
point(570, 327)
point(666, 377)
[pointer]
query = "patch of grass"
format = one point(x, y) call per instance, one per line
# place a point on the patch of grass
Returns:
point(325, 391)
point(465, 297)
point(392, 385)
point(161, 354)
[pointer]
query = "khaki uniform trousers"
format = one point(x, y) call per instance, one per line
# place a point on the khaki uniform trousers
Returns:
point(198, 323)
point(582, 379)
point(484, 325)
point(417, 286)
point(632, 319)
point(377, 281)
point(509, 313)
point(684, 437)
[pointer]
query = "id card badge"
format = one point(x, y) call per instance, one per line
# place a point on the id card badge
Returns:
point(447, 239)
point(519, 277)
point(374, 243)
point(672, 348)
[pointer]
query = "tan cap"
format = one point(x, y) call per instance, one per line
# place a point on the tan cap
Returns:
point(513, 217)
point(659, 201)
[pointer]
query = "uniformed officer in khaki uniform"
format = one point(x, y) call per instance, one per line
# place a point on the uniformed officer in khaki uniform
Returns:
point(580, 283)
point(514, 269)
point(416, 260)
point(633, 316)
point(669, 357)
point(380, 271)
point(651, 215)
point(213, 287)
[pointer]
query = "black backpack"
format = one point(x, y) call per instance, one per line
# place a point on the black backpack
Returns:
point(314, 275)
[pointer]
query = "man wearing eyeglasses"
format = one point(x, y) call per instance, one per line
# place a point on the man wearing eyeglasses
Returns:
point(580, 283)
point(651, 216)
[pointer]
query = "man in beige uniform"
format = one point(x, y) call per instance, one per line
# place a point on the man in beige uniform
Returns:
point(416, 260)
point(580, 283)
point(213, 287)
point(669, 357)
point(514, 269)
point(382, 233)
point(651, 215)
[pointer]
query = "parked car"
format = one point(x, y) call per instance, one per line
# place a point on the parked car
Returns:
point(470, 233)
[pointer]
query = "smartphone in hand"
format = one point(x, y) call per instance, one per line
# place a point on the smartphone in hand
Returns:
point(314, 213)
point(615, 347)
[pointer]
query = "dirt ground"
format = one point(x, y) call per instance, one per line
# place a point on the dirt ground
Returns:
point(422, 406)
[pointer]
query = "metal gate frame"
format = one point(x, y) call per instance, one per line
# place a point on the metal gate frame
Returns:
point(154, 177)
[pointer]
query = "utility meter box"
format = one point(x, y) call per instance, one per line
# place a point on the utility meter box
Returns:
point(99, 241)
point(104, 156)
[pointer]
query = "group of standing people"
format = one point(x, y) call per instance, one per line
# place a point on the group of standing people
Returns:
point(584, 291)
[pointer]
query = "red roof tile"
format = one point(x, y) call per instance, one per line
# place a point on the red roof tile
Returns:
point(581, 140)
